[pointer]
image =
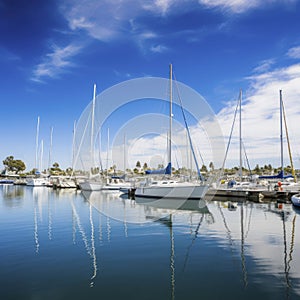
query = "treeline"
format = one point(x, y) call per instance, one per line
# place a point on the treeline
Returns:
point(17, 166)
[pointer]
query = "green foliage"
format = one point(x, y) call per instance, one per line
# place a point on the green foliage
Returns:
point(14, 165)
point(203, 169)
point(56, 170)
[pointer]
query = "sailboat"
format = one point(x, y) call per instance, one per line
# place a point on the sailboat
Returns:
point(92, 183)
point(286, 182)
point(38, 179)
point(170, 188)
point(114, 182)
point(240, 188)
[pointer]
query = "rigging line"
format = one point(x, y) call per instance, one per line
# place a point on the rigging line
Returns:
point(172, 259)
point(243, 258)
point(176, 161)
point(285, 251)
point(81, 230)
point(100, 159)
point(189, 135)
point(36, 235)
point(81, 141)
point(193, 240)
point(201, 157)
point(93, 249)
point(288, 142)
point(73, 147)
point(248, 164)
point(230, 136)
point(292, 243)
point(49, 221)
point(248, 227)
point(226, 226)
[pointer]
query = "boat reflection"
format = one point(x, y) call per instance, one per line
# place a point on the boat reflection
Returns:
point(40, 196)
point(156, 209)
point(12, 195)
point(143, 210)
point(89, 245)
point(182, 246)
point(270, 241)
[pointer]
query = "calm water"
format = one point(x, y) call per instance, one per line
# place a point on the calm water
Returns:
point(66, 245)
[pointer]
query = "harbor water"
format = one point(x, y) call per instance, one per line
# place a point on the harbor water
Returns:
point(65, 244)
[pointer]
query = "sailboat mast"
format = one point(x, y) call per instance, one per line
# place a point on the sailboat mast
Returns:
point(50, 149)
point(240, 131)
point(92, 127)
point(73, 147)
point(41, 156)
point(37, 143)
point(281, 135)
point(171, 115)
point(124, 154)
point(288, 142)
point(107, 153)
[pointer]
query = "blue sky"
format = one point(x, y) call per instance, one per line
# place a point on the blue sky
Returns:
point(52, 52)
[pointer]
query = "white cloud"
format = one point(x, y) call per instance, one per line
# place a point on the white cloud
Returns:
point(158, 49)
point(108, 20)
point(160, 6)
point(240, 6)
point(55, 62)
point(236, 6)
point(260, 117)
point(102, 20)
point(264, 66)
point(294, 52)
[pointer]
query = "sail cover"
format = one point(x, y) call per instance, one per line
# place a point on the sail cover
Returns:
point(167, 170)
point(280, 175)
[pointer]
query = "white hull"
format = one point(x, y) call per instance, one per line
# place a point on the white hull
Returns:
point(116, 184)
point(91, 185)
point(64, 183)
point(38, 182)
point(175, 191)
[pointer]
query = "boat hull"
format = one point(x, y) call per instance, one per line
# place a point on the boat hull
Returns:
point(174, 192)
point(296, 200)
point(90, 186)
point(38, 182)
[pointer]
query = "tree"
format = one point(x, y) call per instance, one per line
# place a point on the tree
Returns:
point(203, 169)
point(211, 166)
point(55, 169)
point(138, 164)
point(14, 165)
point(257, 169)
point(145, 167)
point(55, 165)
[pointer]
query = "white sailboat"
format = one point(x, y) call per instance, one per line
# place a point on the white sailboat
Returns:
point(114, 182)
point(93, 183)
point(285, 183)
point(38, 179)
point(170, 188)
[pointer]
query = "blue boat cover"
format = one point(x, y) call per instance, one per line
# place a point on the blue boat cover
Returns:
point(167, 170)
point(280, 175)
